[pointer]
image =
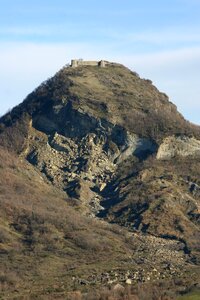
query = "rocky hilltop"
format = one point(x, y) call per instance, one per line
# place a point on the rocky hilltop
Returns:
point(119, 151)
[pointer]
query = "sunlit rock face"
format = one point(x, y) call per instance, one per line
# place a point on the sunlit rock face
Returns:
point(182, 146)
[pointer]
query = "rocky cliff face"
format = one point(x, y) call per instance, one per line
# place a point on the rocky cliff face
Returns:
point(183, 146)
point(80, 153)
point(117, 147)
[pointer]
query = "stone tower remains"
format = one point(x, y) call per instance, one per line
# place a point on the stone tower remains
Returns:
point(79, 62)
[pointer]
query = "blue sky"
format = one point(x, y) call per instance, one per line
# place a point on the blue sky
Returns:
point(160, 40)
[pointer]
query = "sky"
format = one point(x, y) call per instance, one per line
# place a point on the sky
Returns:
point(160, 40)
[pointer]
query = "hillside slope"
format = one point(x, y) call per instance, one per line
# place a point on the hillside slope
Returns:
point(48, 248)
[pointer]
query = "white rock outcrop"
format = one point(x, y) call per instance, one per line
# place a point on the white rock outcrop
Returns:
point(181, 146)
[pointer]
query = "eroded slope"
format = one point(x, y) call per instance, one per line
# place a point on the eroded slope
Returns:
point(48, 248)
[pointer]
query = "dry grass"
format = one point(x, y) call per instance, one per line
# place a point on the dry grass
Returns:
point(141, 292)
point(41, 234)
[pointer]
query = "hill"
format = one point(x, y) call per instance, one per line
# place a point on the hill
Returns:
point(100, 184)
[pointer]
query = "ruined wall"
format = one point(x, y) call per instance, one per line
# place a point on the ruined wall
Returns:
point(76, 62)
